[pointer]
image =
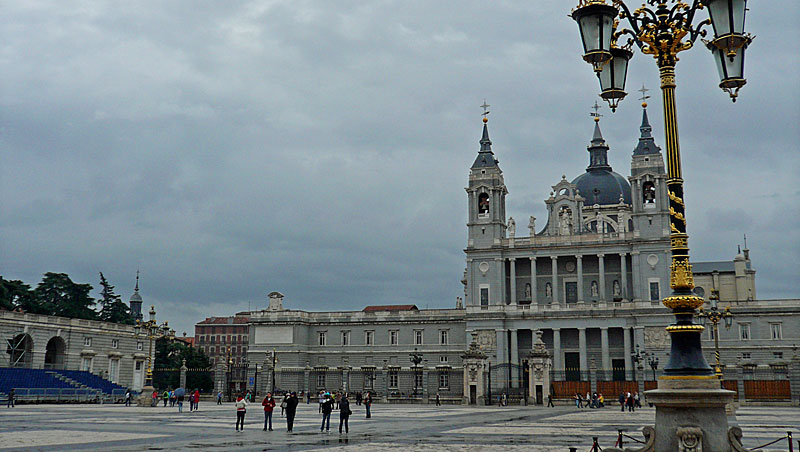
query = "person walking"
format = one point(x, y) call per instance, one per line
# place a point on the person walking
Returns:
point(127, 397)
point(368, 404)
point(191, 401)
point(327, 408)
point(219, 397)
point(13, 394)
point(179, 400)
point(344, 414)
point(241, 409)
point(268, 404)
point(438, 401)
point(291, 410)
point(637, 403)
point(622, 401)
point(550, 401)
point(173, 399)
point(629, 402)
point(321, 400)
point(196, 396)
point(284, 403)
point(165, 396)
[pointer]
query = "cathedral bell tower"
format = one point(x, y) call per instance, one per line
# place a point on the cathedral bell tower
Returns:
point(486, 195)
point(648, 183)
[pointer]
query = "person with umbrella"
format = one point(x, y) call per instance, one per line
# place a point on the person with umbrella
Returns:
point(291, 409)
point(179, 393)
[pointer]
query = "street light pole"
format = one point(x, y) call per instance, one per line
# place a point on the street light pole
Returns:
point(663, 29)
point(274, 361)
point(715, 316)
point(151, 330)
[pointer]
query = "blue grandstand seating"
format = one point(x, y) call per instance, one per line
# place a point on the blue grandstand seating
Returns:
point(20, 378)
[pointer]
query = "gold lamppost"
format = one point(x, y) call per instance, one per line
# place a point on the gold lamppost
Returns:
point(151, 330)
point(715, 316)
point(663, 28)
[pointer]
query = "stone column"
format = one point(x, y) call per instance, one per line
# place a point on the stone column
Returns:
point(514, 358)
point(306, 378)
point(533, 280)
point(500, 336)
point(623, 260)
point(582, 352)
point(794, 379)
point(540, 366)
point(502, 264)
point(580, 278)
point(346, 379)
point(606, 363)
point(635, 266)
point(558, 356)
point(184, 369)
point(513, 276)
point(601, 277)
point(219, 377)
point(593, 375)
point(554, 278)
point(425, 375)
point(474, 362)
point(626, 342)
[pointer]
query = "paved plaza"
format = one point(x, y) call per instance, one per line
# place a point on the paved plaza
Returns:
point(393, 427)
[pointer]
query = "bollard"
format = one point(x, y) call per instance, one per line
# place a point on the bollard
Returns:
point(619, 439)
point(595, 446)
point(789, 436)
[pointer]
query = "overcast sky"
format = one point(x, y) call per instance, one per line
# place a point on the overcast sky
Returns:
point(321, 149)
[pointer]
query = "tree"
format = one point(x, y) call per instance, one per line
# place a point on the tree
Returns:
point(15, 294)
point(112, 308)
point(58, 295)
point(170, 354)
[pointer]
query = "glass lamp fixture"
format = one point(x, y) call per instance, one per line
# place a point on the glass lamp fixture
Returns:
point(729, 43)
point(612, 77)
point(596, 24)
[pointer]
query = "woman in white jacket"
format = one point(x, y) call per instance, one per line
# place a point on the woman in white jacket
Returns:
point(241, 409)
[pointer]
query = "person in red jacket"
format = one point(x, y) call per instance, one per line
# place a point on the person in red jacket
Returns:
point(196, 397)
point(268, 404)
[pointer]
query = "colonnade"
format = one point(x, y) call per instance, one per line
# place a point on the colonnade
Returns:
point(555, 286)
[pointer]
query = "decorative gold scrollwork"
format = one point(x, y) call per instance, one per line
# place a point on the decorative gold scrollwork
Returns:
point(675, 198)
point(681, 275)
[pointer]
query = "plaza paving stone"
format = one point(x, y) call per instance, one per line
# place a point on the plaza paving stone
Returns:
point(415, 428)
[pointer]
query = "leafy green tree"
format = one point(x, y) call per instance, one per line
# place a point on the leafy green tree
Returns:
point(170, 354)
point(112, 308)
point(58, 295)
point(15, 294)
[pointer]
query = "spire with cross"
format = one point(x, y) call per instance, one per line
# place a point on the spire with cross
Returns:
point(596, 115)
point(644, 96)
point(486, 111)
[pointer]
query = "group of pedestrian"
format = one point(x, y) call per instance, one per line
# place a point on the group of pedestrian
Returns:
point(289, 406)
point(630, 401)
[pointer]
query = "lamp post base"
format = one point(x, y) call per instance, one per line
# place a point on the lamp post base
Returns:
point(146, 397)
point(690, 410)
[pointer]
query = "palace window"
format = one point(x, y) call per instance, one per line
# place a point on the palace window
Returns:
point(444, 380)
point(87, 341)
point(443, 359)
point(655, 293)
point(775, 331)
point(139, 346)
point(418, 380)
point(393, 377)
point(443, 337)
point(744, 331)
point(369, 337)
point(745, 355)
point(393, 337)
point(114, 343)
point(322, 339)
point(321, 380)
point(417, 337)
point(345, 338)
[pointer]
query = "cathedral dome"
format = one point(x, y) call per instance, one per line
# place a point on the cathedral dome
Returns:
point(603, 187)
point(600, 184)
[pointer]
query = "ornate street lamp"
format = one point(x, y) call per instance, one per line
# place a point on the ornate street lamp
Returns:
point(663, 28)
point(416, 359)
point(715, 316)
point(652, 361)
point(151, 330)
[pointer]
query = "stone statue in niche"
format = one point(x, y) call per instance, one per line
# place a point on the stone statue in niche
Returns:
point(565, 221)
point(532, 225)
point(527, 290)
point(617, 291)
point(548, 290)
point(512, 227)
point(594, 288)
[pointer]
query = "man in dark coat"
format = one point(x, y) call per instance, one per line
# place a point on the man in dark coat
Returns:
point(291, 410)
point(344, 414)
point(327, 408)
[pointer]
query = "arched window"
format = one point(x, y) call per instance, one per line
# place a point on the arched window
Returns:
point(20, 349)
point(648, 193)
point(483, 205)
point(55, 353)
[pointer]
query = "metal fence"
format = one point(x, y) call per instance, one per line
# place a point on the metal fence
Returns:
point(41, 395)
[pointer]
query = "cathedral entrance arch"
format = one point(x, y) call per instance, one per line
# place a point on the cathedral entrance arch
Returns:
point(20, 350)
point(55, 354)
